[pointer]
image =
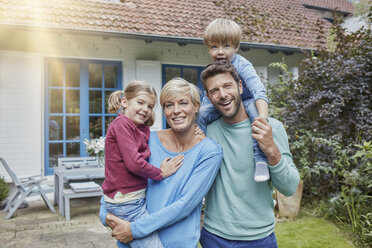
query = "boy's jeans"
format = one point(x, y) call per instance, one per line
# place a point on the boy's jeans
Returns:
point(208, 113)
point(131, 211)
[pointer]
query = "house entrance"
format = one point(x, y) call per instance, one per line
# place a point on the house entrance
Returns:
point(76, 105)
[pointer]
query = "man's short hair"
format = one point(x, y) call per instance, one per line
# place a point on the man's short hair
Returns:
point(219, 67)
point(222, 31)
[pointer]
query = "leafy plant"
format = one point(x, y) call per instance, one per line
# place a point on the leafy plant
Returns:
point(332, 94)
point(361, 7)
point(3, 189)
point(327, 112)
point(278, 92)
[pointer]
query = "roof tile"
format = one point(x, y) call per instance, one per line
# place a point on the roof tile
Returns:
point(284, 22)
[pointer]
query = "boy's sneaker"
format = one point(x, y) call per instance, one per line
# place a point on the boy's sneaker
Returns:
point(262, 172)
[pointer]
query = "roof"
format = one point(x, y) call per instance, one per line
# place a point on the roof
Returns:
point(266, 23)
point(339, 5)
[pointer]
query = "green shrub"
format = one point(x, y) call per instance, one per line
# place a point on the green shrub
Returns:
point(332, 94)
point(3, 190)
point(325, 111)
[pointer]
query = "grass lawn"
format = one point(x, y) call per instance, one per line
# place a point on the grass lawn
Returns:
point(310, 232)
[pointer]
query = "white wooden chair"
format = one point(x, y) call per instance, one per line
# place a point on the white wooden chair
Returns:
point(25, 187)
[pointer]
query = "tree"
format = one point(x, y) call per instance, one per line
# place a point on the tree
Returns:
point(332, 94)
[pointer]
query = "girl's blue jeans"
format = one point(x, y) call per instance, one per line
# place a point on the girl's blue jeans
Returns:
point(208, 113)
point(131, 211)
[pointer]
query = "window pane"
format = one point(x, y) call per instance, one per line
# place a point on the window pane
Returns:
point(72, 127)
point(107, 95)
point(55, 152)
point(191, 75)
point(72, 75)
point(111, 73)
point(108, 120)
point(55, 127)
point(55, 101)
point(55, 74)
point(95, 127)
point(72, 101)
point(95, 101)
point(72, 149)
point(171, 73)
point(95, 75)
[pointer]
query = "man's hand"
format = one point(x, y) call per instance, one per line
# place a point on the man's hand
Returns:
point(120, 228)
point(262, 132)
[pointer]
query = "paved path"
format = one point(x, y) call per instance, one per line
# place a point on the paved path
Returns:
point(37, 226)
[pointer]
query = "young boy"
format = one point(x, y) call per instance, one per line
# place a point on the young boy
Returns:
point(222, 39)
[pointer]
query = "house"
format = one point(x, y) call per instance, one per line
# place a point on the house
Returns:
point(60, 59)
point(354, 15)
point(327, 8)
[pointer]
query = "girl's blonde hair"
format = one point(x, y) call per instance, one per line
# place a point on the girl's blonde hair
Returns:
point(179, 87)
point(222, 31)
point(131, 91)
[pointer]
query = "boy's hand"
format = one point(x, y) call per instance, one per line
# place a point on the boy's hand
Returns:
point(198, 131)
point(170, 166)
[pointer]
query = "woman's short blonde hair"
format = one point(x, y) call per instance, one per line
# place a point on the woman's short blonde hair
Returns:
point(222, 31)
point(177, 87)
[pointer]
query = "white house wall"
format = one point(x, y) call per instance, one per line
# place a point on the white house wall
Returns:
point(22, 78)
point(21, 112)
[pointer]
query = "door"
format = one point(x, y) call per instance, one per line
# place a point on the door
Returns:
point(76, 105)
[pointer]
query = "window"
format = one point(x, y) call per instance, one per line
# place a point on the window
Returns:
point(76, 105)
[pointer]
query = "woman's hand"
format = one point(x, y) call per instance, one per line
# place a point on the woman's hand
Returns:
point(120, 228)
point(170, 166)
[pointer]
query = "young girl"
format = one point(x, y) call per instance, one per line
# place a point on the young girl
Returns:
point(126, 151)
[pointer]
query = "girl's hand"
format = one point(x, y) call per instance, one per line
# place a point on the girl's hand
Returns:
point(170, 166)
point(198, 131)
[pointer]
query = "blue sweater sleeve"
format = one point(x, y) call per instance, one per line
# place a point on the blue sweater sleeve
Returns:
point(250, 80)
point(284, 175)
point(191, 196)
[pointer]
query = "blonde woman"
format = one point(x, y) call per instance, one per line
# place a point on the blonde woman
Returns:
point(174, 204)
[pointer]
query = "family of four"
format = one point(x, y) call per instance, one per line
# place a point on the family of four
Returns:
point(155, 182)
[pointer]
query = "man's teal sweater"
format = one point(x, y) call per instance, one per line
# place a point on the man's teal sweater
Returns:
point(237, 207)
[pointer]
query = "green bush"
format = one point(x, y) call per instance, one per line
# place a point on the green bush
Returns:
point(3, 190)
point(332, 94)
point(326, 111)
point(352, 205)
